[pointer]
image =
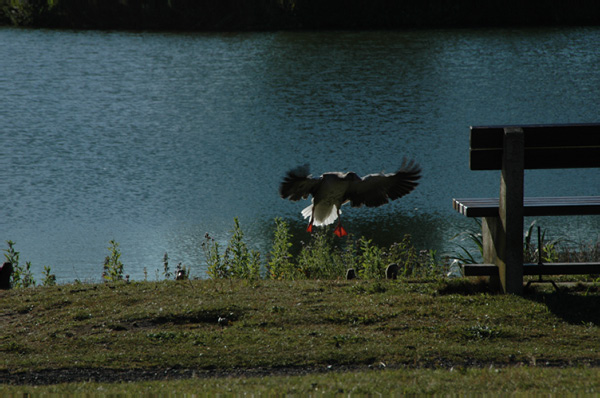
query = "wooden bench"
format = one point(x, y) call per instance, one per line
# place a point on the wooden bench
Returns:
point(512, 149)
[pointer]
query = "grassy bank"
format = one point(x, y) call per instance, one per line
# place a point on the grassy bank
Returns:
point(196, 330)
point(293, 14)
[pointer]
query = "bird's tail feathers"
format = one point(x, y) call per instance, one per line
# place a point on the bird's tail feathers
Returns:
point(307, 211)
point(322, 215)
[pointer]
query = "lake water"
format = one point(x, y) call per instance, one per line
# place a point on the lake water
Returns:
point(155, 139)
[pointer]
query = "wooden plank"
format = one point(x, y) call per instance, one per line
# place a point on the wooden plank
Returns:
point(561, 269)
point(562, 158)
point(562, 206)
point(480, 269)
point(536, 269)
point(483, 207)
point(539, 158)
point(486, 137)
point(538, 135)
point(546, 146)
point(487, 159)
point(562, 136)
point(533, 206)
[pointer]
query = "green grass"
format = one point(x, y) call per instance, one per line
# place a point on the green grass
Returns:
point(436, 333)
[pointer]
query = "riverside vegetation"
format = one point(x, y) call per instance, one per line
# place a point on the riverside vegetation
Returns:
point(324, 257)
point(321, 258)
point(309, 331)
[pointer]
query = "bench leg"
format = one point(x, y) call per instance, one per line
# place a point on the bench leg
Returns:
point(508, 257)
point(493, 242)
point(511, 210)
point(503, 235)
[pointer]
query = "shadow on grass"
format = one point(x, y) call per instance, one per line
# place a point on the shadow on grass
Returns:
point(576, 305)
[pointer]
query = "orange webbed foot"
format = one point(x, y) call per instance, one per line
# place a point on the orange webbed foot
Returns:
point(340, 231)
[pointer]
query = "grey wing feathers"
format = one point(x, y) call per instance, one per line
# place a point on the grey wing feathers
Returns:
point(297, 184)
point(378, 189)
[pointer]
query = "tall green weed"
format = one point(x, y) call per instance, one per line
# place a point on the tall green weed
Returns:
point(281, 264)
point(236, 262)
point(372, 261)
point(113, 267)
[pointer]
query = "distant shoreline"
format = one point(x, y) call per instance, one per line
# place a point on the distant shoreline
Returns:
point(257, 15)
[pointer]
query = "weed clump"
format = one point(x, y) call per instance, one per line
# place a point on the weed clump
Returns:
point(22, 276)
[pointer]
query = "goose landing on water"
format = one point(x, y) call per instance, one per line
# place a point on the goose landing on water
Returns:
point(332, 190)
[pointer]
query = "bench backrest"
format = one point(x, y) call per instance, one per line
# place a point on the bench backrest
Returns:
point(556, 146)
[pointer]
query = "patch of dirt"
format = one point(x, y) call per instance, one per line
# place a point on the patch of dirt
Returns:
point(73, 375)
point(102, 375)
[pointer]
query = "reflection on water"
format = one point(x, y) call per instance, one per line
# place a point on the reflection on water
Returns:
point(154, 139)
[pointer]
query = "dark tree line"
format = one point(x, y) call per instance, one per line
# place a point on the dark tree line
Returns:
point(294, 14)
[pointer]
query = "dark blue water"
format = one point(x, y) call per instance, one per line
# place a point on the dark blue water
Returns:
point(154, 139)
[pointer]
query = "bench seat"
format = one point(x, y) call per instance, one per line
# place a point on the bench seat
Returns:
point(533, 206)
point(536, 269)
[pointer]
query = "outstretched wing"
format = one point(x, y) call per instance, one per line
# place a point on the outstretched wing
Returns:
point(298, 184)
point(378, 189)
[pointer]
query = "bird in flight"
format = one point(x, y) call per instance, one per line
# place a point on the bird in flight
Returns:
point(331, 190)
